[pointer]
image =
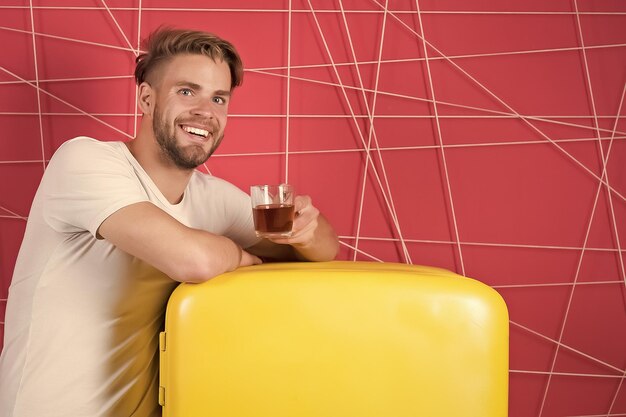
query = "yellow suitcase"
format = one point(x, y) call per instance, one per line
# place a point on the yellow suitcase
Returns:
point(335, 339)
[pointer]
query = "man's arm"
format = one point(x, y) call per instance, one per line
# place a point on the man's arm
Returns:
point(313, 238)
point(182, 253)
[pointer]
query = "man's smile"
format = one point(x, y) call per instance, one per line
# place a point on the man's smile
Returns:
point(195, 130)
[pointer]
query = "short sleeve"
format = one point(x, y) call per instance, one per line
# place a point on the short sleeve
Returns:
point(220, 207)
point(241, 224)
point(85, 182)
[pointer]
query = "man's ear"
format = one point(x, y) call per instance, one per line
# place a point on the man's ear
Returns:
point(145, 94)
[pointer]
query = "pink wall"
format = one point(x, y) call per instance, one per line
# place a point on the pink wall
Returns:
point(497, 151)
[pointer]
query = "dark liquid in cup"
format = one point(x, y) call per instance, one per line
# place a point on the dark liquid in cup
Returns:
point(273, 218)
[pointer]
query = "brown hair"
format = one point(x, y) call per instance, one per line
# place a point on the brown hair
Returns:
point(165, 43)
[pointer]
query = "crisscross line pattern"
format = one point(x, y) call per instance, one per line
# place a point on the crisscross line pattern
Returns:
point(429, 133)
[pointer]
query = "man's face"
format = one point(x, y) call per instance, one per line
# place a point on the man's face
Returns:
point(190, 109)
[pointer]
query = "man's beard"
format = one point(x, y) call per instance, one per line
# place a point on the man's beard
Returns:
point(189, 157)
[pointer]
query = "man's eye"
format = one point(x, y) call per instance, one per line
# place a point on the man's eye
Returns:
point(185, 91)
point(219, 100)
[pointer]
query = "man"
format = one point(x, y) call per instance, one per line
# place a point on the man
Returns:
point(114, 225)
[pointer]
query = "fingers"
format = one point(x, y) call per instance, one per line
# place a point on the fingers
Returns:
point(301, 202)
point(304, 225)
point(248, 259)
point(305, 212)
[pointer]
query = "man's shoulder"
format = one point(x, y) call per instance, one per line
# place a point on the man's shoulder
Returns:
point(84, 148)
point(86, 143)
point(85, 154)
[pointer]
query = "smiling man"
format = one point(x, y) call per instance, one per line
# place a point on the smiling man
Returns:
point(112, 229)
point(201, 128)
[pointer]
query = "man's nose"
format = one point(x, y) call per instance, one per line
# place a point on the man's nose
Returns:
point(205, 108)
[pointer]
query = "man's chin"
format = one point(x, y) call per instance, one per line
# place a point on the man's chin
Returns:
point(192, 156)
point(188, 160)
point(194, 163)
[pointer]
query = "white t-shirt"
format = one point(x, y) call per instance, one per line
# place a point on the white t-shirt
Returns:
point(83, 317)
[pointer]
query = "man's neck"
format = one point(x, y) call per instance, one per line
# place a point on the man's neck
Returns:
point(170, 179)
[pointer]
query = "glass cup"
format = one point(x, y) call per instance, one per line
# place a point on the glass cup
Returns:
point(273, 210)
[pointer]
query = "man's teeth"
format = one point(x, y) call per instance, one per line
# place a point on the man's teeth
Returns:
point(196, 131)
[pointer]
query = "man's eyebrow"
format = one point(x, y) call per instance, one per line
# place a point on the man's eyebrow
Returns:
point(188, 84)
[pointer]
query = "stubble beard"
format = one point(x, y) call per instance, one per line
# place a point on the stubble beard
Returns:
point(189, 157)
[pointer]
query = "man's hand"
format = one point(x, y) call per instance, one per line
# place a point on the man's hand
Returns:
point(312, 239)
point(305, 223)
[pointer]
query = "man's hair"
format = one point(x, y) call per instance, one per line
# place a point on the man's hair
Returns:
point(165, 43)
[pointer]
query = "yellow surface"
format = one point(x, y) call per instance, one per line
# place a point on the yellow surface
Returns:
point(335, 339)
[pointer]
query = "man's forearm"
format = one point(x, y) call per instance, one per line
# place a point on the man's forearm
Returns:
point(323, 247)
